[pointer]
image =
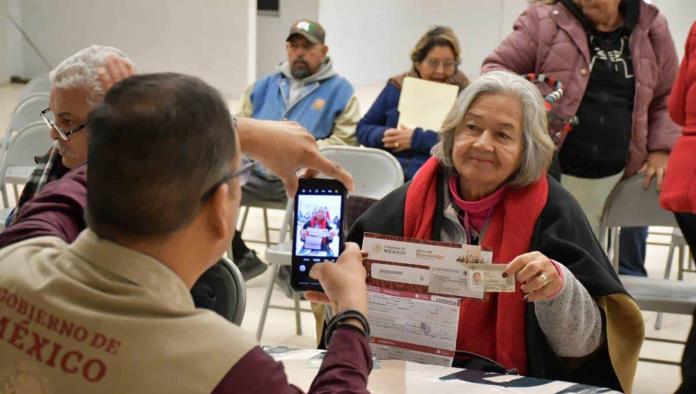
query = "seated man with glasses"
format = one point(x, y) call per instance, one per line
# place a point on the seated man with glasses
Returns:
point(75, 90)
point(51, 207)
point(163, 197)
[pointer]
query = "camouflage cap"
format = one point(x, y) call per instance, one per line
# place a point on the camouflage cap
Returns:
point(310, 30)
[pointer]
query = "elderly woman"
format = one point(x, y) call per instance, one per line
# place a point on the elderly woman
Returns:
point(435, 58)
point(487, 185)
point(320, 221)
point(617, 62)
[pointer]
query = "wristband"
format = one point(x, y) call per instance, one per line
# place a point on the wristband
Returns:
point(339, 320)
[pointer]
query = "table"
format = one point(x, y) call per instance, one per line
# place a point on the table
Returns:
point(394, 376)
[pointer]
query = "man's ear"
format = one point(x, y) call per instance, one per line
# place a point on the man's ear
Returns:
point(218, 211)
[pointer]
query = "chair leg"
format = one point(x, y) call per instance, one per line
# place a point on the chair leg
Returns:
point(267, 301)
point(298, 319)
point(265, 227)
point(615, 234)
point(245, 215)
point(680, 269)
point(658, 321)
point(16, 192)
point(668, 267)
point(5, 200)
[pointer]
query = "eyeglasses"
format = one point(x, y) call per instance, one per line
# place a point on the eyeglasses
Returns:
point(243, 173)
point(50, 121)
point(435, 63)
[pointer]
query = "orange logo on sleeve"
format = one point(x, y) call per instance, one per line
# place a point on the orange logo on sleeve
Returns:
point(318, 104)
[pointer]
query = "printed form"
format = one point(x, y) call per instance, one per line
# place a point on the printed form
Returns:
point(414, 294)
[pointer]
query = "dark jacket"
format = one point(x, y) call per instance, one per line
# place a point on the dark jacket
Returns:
point(57, 210)
point(384, 114)
point(562, 233)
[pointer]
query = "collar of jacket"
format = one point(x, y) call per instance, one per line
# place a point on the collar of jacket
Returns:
point(566, 21)
point(133, 267)
point(459, 79)
point(629, 9)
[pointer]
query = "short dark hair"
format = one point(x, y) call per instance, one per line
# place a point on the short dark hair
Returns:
point(157, 143)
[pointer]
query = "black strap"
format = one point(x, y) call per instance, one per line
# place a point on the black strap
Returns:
point(339, 320)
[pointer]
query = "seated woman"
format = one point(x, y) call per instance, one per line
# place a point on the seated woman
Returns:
point(570, 317)
point(435, 58)
point(317, 234)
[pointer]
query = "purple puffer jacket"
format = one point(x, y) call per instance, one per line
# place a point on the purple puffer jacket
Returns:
point(549, 39)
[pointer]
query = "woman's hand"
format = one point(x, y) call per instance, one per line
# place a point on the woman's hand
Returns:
point(655, 166)
point(538, 275)
point(398, 139)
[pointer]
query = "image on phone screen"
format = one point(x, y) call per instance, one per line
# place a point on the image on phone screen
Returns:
point(318, 227)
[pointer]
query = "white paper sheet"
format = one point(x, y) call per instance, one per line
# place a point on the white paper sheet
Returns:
point(413, 327)
point(425, 103)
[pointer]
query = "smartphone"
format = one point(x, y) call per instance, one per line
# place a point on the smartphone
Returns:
point(317, 228)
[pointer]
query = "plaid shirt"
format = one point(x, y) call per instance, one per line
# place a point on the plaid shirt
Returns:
point(53, 169)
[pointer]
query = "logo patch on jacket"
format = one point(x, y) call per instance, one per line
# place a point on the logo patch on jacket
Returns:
point(318, 104)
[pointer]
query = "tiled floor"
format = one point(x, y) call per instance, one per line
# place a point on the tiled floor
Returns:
point(280, 325)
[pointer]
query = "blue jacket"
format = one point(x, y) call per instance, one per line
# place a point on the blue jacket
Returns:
point(320, 102)
point(384, 114)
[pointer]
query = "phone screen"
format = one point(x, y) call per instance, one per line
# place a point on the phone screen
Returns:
point(317, 228)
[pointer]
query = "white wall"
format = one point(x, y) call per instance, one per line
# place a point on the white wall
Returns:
point(206, 38)
point(680, 15)
point(4, 54)
point(272, 30)
point(371, 40)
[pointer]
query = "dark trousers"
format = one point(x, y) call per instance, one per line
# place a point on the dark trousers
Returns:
point(632, 251)
point(256, 188)
point(687, 224)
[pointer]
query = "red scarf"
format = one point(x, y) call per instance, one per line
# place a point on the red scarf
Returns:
point(493, 327)
point(313, 222)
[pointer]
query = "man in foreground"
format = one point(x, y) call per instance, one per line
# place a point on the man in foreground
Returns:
point(112, 311)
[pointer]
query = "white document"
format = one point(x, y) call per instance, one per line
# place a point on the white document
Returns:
point(425, 103)
point(439, 266)
point(419, 252)
point(413, 327)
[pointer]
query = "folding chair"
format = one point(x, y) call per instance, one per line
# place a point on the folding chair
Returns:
point(375, 173)
point(38, 84)
point(27, 111)
point(30, 141)
point(222, 289)
point(629, 205)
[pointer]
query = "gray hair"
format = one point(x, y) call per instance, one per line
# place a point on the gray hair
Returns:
point(538, 147)
point(82, 70)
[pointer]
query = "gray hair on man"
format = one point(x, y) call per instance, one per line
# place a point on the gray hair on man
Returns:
point(81, 70)
point(538, 146)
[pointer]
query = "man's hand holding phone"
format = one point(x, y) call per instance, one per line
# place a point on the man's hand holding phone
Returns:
point(343, 281)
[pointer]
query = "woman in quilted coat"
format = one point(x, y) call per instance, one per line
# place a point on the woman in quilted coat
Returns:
point(617, 62)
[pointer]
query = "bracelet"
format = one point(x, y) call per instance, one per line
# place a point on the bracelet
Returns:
point(338, 320)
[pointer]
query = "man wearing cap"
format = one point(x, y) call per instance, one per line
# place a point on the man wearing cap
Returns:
point(307, 90)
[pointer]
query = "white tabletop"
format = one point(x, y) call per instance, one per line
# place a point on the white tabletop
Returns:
point(394, 376)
